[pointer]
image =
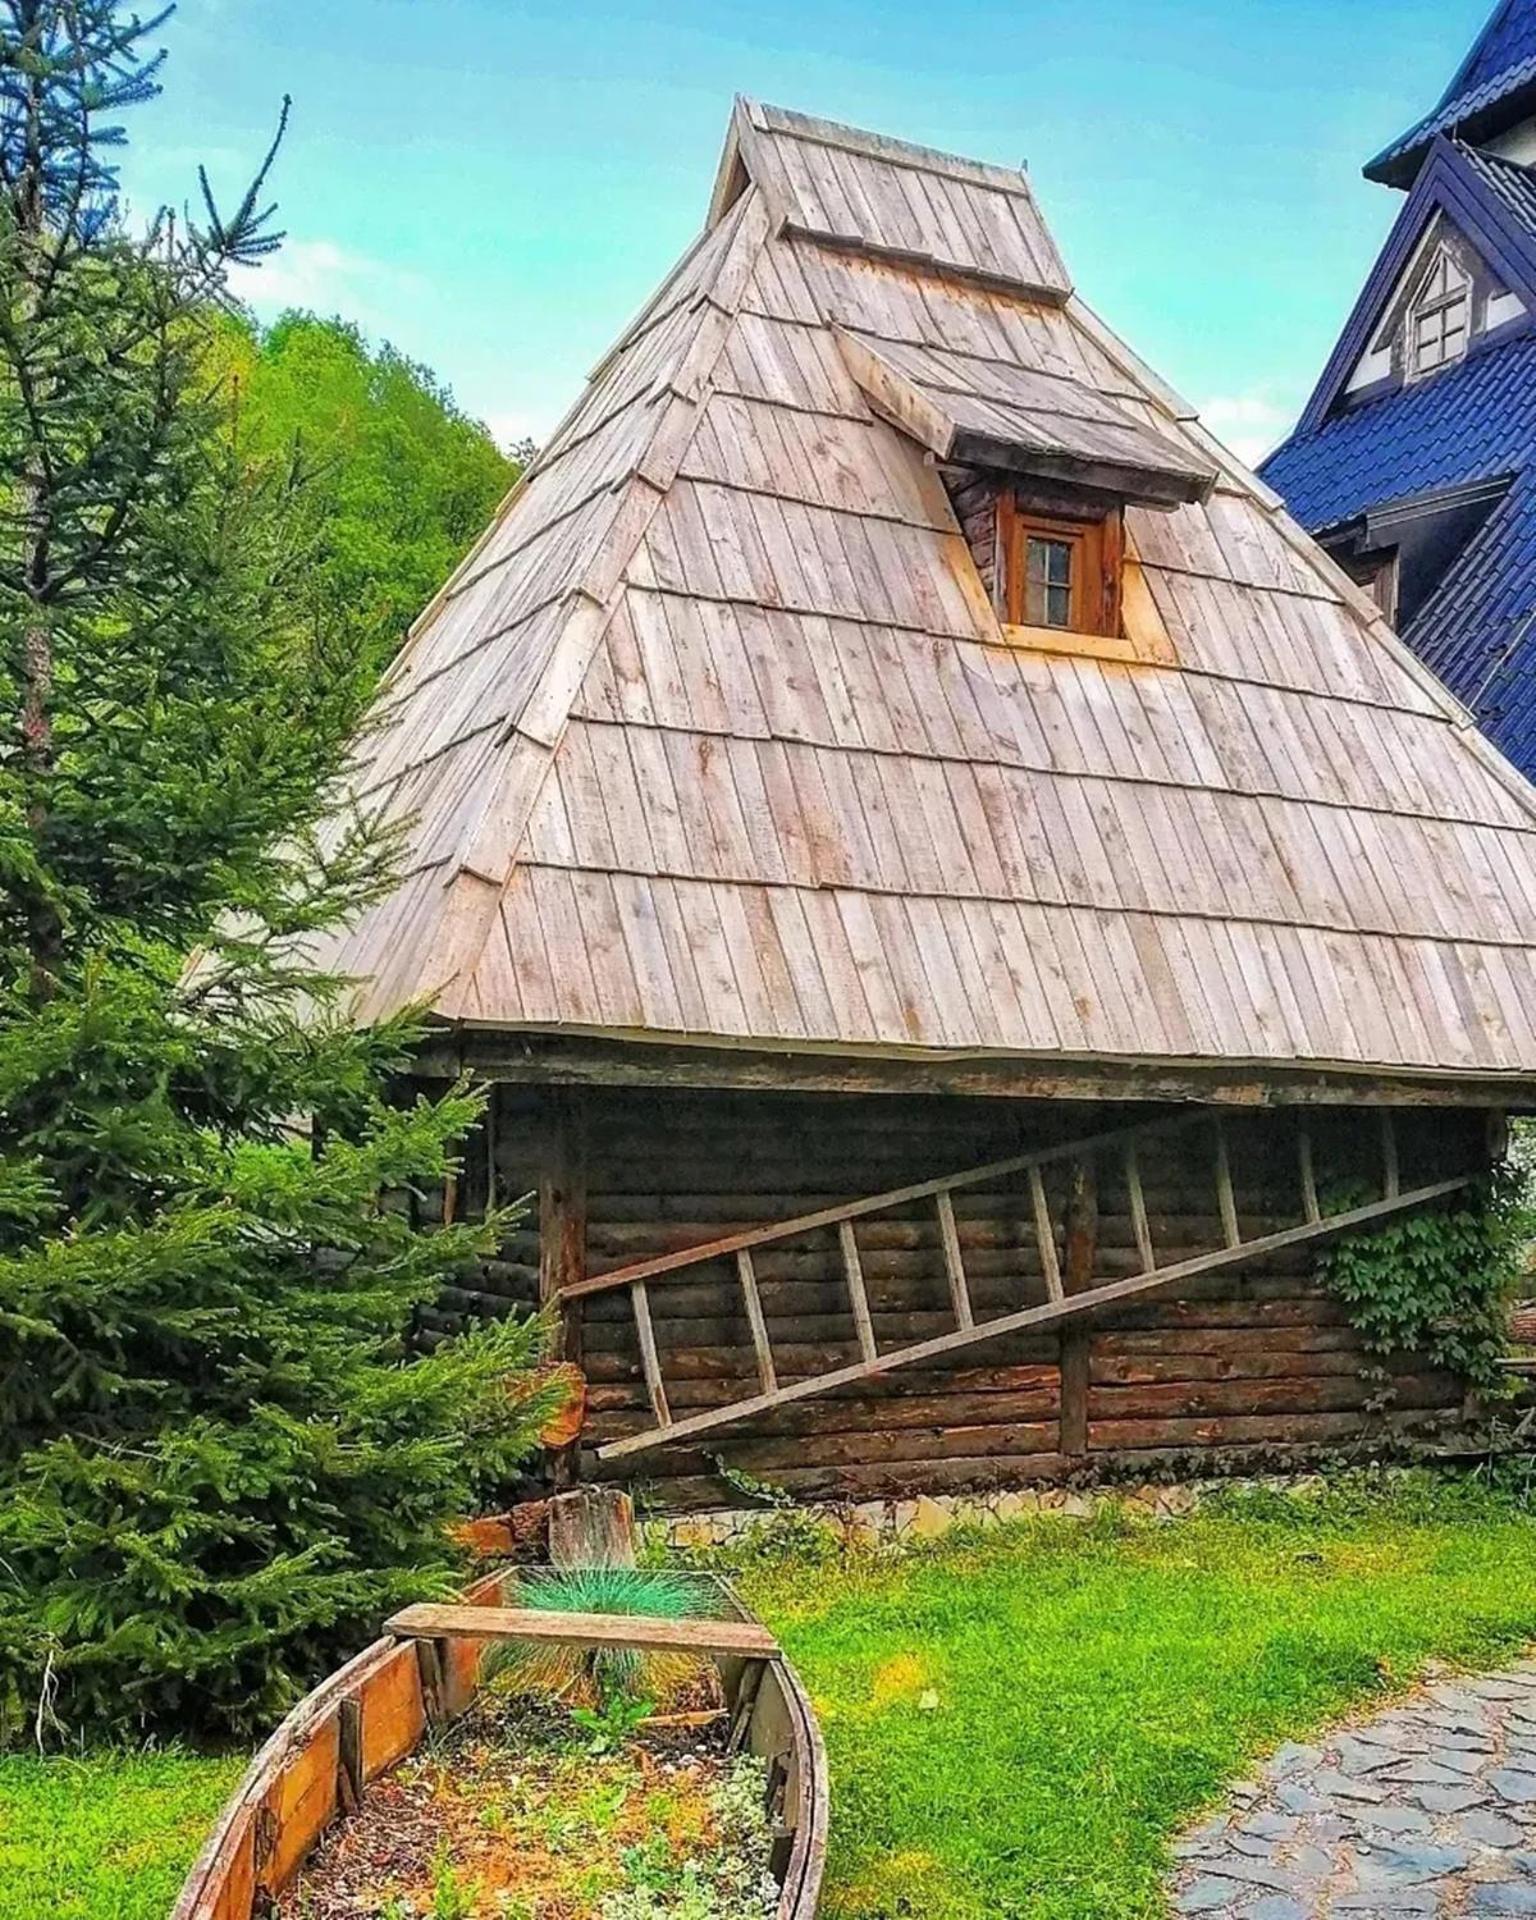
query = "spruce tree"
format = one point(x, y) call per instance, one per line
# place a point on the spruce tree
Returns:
point(220, 1460)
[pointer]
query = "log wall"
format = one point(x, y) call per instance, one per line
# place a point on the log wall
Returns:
point(1255, 1357)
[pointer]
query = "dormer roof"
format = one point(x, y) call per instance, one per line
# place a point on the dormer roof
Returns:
point(972, 411)
point(1492, 202)
point(716, 736)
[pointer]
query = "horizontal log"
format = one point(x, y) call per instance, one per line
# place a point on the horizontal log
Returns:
point(800, 1302)
point(1035, 1368)
point(1250, 1311)
point(538, 1627)
point(890, 1414)
point(1118, 1370)
point(769, 1455)
point(1247, 1430)
point(1132, 1343)
point(1317, 1393)
point(701, 1487)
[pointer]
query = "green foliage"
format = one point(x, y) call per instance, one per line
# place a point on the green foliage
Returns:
point(453, 1898)
point(611, 1725)
point(608, 1675)
point(398, 481)
point(1098, 1685)
point(220, 1460)
point(1439, 1283)
point(726, 1878)
point(767, 1493)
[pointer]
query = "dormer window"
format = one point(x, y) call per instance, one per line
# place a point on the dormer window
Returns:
point(1440, 318)
point(1057, 573)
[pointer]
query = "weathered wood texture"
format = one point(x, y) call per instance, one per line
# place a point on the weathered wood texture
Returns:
point(1254, 1359)
point(716, 736)
point(592, 1527)
point(431, 1621)
point(373, 1711)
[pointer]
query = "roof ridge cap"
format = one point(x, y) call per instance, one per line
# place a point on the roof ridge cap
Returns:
point(842, 135)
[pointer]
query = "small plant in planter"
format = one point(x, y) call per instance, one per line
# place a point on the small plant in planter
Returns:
point(603, 1678)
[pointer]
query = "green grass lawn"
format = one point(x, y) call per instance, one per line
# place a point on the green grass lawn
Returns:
point(108, 1837)
point(1018, 1724)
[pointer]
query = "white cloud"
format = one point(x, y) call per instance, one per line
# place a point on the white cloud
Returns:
point(509, 425)
point(320, 275)
point(1252, 424)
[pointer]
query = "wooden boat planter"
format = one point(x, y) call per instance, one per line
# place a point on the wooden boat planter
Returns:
point(376, 1709)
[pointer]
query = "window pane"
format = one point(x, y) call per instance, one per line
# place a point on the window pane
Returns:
point(1048, 583)
point(1441, 317)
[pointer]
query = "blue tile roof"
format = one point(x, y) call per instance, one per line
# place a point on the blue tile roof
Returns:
point(1502, 62)
point(1476, 421)
point(1515, 185)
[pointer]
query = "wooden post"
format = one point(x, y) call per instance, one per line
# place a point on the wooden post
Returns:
point(563, 1235)
point(592, 1527)
point(349, 1752)
point(1078, 1257)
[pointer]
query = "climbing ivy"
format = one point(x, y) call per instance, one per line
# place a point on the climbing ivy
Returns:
point(1440, 1283)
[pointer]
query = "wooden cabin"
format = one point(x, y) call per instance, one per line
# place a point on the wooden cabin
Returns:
point(956, 893)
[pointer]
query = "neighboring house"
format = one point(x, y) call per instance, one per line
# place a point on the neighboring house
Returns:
point(1415, 460)
point(950, 885)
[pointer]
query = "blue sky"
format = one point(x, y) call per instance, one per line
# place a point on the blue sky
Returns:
point(496, 186)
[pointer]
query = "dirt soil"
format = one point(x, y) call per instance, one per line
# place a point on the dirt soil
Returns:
point(510, 1814)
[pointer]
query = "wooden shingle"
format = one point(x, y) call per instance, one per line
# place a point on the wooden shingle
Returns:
point(716, 738)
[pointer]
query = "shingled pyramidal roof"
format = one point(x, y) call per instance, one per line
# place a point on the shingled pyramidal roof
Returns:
point(715, 738)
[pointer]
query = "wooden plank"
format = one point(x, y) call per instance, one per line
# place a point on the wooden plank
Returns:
point(759, 1326)
point(1081, 1246)
point(954, 1266)
point(1046, 1315)
point(1309, 1200)
point(645, 1333)
point(562, 1233)
point(1224, 1193)
point(1045, 1234)
point(546, 1627)
point(873, 1203)
point(858, 1299)
point(1392, 1179)
point(1138, 1204)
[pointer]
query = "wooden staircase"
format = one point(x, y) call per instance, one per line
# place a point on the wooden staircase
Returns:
point(1123, 1146)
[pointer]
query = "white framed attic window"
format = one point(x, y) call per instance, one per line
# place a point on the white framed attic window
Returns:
point(1439, 322)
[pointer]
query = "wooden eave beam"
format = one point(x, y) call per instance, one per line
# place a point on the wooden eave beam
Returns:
point(535, 1057)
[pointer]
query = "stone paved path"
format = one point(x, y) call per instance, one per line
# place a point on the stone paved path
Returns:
point(1427, 1809)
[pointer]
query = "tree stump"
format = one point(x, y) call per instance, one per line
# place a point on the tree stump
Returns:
point(592, 1527)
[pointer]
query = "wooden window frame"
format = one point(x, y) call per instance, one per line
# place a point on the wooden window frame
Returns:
point(1098, 566)
point(1437, 310)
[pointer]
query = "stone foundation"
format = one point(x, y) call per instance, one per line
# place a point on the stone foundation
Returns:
point(887, 1522)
